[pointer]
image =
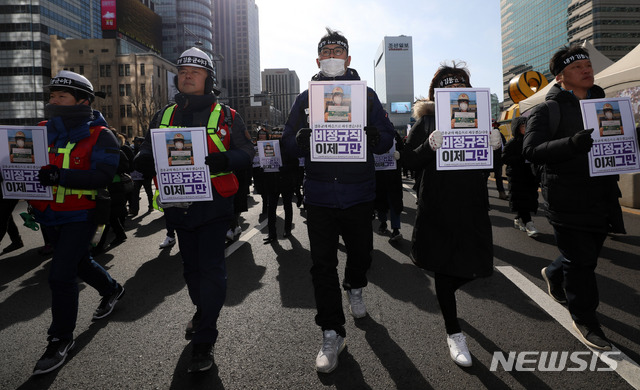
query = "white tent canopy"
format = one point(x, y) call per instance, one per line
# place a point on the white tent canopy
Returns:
point(625, 73)
point(599, 62)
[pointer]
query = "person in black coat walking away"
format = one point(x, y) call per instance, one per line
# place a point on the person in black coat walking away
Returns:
point(389, 197)
point(523, 183)
point(276, 184)
point(447, 199)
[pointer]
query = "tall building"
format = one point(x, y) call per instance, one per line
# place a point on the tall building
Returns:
point(612, 26)
point(283, 85)
point(25, 60)
point(136, 84)
point(532, 30)
point(393, 78)
point(236, 38)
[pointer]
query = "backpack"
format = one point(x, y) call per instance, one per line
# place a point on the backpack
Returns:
point(554, 122)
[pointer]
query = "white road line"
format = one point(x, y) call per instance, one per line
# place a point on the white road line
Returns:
point(247, 236)
point(626, 368)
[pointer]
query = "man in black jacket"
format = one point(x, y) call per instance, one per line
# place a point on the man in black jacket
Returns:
point(202, 226)
point(582, 209)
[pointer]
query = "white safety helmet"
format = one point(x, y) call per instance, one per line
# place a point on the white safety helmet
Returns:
point(195, 57)
point(72, 80)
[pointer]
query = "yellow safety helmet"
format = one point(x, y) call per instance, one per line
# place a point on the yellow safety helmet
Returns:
point(463, 96)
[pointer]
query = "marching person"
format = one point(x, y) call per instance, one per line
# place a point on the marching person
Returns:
point(338, 198)
point(582, 209)
point(202, 226)
point(523, 184)
point(447, 199)
point(83, 158)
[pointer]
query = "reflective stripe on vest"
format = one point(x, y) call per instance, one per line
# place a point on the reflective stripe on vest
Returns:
point(61, 191)
point(212, 126)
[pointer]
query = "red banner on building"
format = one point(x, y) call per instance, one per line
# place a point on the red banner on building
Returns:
point(108, 14)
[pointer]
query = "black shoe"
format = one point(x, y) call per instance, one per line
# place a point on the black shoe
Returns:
point(395, 236)
point(593, 337)
point(269, 239)
point(287, 234)
point(117, 241)
point(555, 291)
point(201, 357)
point(382, 228)
point(13, 246)
point(192, 326)
point(54, 356)
point(108, 303)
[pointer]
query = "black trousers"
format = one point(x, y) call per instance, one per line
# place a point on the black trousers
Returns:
point(325, 226)
point(7, 224)
point(446, 286)
point(576, 270)
point(272, 206)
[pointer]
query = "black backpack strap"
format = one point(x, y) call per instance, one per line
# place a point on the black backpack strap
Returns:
point(554, 116)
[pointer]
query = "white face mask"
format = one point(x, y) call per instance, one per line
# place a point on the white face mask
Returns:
point(332, 67)
point(608, 114)
point(20, 143)
point(179, 145)
point(464, 106)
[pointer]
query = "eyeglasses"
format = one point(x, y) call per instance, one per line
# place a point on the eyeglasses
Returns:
point(337, 51)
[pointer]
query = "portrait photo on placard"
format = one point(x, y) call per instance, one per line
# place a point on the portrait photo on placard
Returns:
point(179, 148)
point(609, 119)
point(20, 146)
point(337, 103)
point(464, 112)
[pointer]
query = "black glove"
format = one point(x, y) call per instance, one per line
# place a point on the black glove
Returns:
point(582, 141)
point(373, 136)
point(217, 162)
point(303, 139)
point(49, 175)
point(144, 164)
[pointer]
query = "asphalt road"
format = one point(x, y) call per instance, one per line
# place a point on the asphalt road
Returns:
point(268, 338)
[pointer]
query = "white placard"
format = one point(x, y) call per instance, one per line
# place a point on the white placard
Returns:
point(179, 155)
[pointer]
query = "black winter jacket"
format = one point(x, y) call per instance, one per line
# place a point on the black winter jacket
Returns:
point(574, 199)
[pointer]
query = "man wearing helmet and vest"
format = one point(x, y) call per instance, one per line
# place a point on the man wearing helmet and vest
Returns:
point(20, 152)
point(338, 197)
point(202, 226)
point(83, 157)
point(178, 154)
point(336, 109)
point(462, 116)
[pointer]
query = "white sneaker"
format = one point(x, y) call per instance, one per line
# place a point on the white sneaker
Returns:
point(237, 231)
point(531, 230)
point(332, 345)
point(458, 349)
point(356, 304)
point(168, 241)
point(517, 224)
point(230, 235)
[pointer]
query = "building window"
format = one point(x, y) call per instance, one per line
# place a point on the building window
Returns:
point(121, 70)
point(141, 69)
point(128, 90)
point(81, 69)
point(129, 111)
point(80, 51)
point(105, 70)
point(121, 87)
point(127, 69)
point(143, 89)
point(122, 111)
point(123, 129)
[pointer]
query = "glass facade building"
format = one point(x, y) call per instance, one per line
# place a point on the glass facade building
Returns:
point(532, 30)
point(25, 55)
point(237, 38)
point(185, 24)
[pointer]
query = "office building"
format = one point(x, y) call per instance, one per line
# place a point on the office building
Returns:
point(532, 30)
point(393, 79)
point(25, 60)
point(283, 85)
point(236, 37)
point(136, 84)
